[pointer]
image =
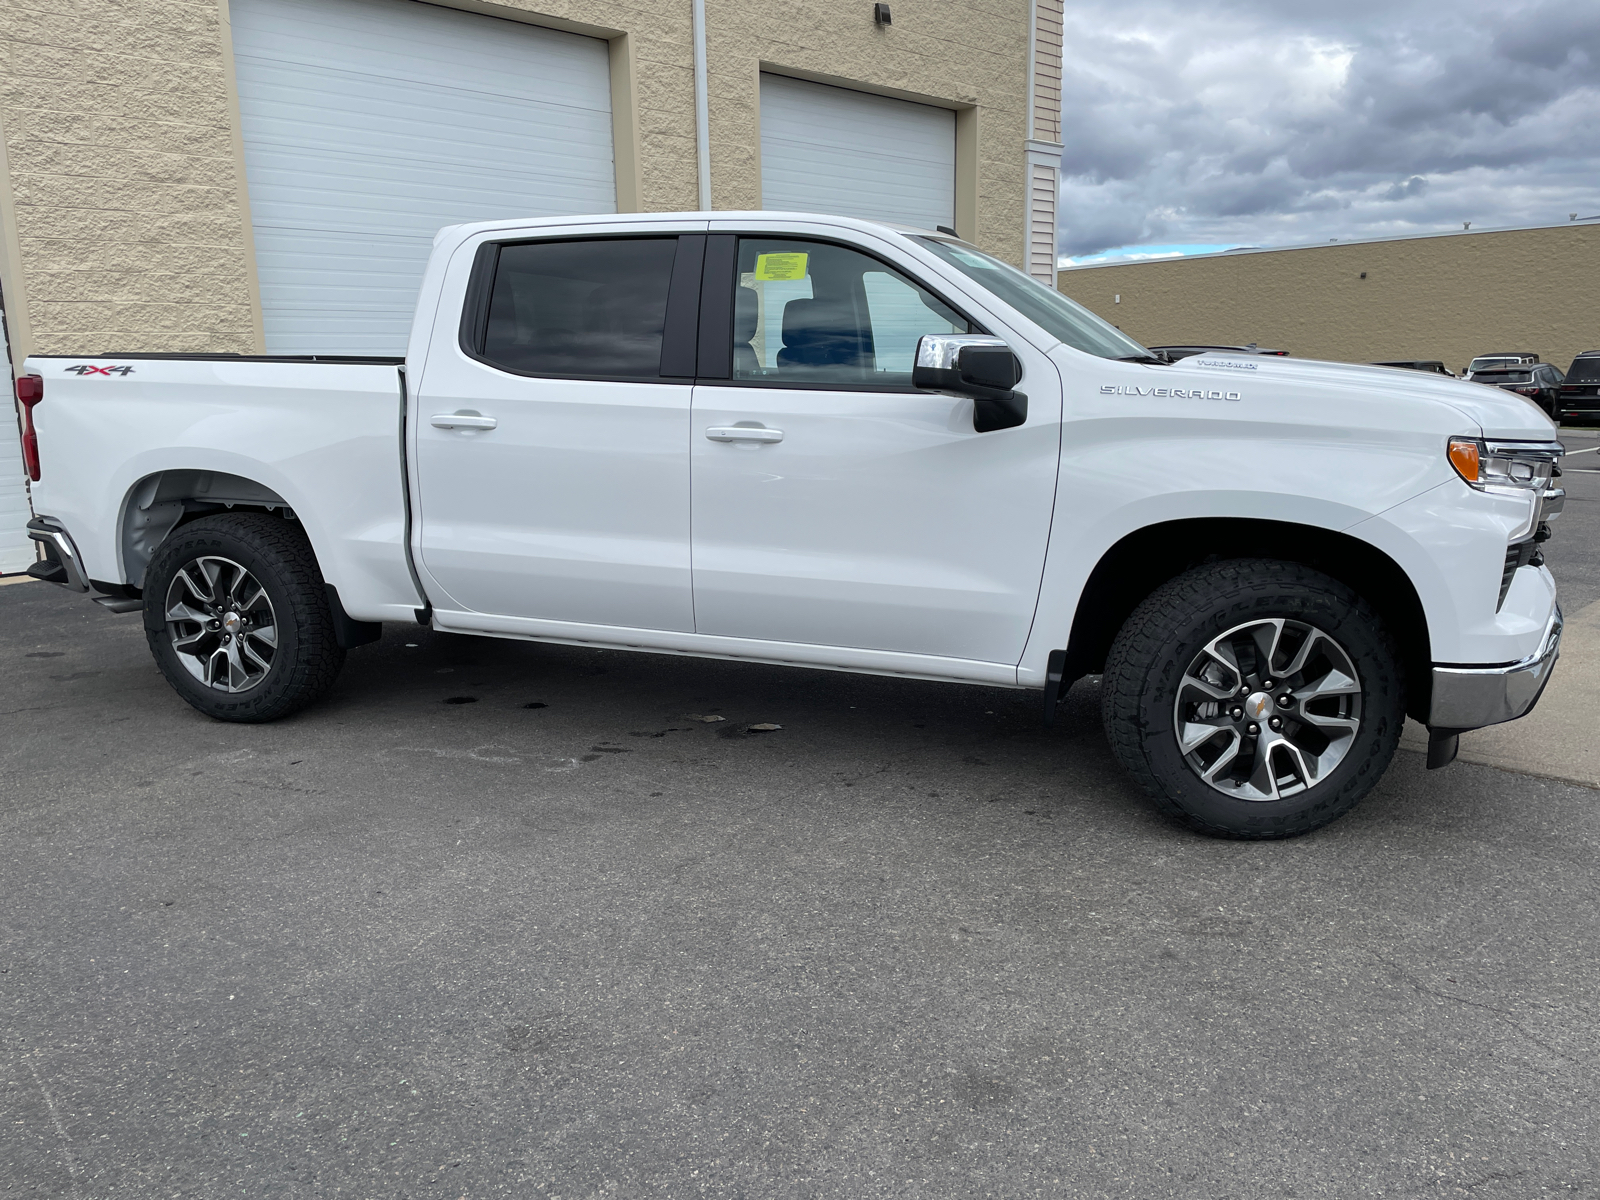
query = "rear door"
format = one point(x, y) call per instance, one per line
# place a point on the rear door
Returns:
point(552, 432)
point(835, 504)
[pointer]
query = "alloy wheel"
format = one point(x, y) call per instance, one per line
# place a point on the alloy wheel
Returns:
point(222, 624)
point(1268, 709)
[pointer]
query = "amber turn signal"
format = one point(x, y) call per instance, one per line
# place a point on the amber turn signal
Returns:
point(1464, 458)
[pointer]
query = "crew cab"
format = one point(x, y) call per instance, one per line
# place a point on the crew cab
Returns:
point(825, 442)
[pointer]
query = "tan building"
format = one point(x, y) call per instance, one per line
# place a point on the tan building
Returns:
point(265, 175)
point(1447, 296)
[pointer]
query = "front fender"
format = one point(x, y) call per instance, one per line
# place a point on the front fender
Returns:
point(1077, 547)
point(1451, 541)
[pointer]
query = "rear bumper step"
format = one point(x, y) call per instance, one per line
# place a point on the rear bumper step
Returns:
point(60, 562)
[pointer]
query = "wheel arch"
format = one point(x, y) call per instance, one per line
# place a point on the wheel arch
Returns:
point(1143, 560)
point(163, 501)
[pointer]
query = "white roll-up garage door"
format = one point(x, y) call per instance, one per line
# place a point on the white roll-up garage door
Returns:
point(368, 124)
point(829, 149)
point(16, 551)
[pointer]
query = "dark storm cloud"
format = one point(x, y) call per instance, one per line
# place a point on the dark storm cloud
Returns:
point(1267, 123)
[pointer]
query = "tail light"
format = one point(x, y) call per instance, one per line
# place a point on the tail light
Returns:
point(1526, 391)
point(30, 390)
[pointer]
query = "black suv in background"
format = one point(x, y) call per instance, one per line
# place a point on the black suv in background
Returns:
point(1579, 397)
point(1539, 382)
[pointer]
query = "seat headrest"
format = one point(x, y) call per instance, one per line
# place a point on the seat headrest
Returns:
point(821, 333)
point(746, 312)
point(806, 320)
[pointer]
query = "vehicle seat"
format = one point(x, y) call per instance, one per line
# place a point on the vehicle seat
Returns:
point(746, 313)
point(822, 333)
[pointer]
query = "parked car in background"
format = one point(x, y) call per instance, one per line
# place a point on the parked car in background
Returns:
point(1579, 396)
point(1496, 362)
point(1539, 382)
point(1174, 353)
point(1430, 365)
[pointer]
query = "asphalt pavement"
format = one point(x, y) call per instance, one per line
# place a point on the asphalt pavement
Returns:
point(508, 919)
point(1573, 550)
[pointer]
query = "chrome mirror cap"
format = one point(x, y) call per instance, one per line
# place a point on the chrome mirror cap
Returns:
point(940, 351)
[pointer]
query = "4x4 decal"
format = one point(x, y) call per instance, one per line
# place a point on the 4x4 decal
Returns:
point(91, 369)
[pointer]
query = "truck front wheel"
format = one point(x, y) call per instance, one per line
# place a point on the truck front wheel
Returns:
point(237, 616)
point(1254, 698)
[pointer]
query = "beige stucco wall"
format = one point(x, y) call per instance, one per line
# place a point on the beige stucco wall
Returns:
point(1448, 298)
point(971, 55)
point(123, 198)
point(123, 207)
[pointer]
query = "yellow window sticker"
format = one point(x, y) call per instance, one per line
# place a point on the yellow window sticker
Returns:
point(773, 268)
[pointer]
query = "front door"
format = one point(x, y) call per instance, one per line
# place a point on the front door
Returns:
point(552, 453)
point(836, 505)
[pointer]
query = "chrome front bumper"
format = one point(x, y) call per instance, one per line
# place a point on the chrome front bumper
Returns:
point(1472, 697)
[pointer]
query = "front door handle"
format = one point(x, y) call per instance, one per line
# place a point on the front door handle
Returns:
point(465, 419)
point(743, 433)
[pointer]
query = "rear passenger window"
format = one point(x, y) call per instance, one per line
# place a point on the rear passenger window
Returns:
point(593, 309)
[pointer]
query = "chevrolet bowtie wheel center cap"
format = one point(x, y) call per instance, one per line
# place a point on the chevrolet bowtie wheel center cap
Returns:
point(232, 621)
point(1256, 707)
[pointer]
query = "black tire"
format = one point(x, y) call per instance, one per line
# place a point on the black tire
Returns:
point(306, 658)
point(1165, 637)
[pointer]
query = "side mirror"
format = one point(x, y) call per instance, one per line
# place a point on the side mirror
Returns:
point(980, 368)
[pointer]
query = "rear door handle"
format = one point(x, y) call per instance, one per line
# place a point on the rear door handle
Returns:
point(465, 419)
point(743, 433)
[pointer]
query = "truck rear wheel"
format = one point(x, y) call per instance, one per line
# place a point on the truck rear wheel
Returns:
point(1254, 698)
point(237, 616)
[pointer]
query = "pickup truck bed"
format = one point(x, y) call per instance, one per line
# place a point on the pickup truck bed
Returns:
point(320, 435)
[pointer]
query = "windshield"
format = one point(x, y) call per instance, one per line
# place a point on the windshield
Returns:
point(1044, 306)
point(1585, 370)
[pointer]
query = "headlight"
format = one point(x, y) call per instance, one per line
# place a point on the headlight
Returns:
point(1504, 466)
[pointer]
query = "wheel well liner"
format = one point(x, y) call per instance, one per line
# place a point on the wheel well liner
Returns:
point(1145, 559)
point(160, 503)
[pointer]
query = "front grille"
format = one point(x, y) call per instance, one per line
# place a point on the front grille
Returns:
point(1513, 561)
point(1518, 555)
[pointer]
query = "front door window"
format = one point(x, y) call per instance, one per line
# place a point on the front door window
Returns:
point(819, 315)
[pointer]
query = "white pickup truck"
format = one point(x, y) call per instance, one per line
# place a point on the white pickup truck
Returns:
point(826, 442)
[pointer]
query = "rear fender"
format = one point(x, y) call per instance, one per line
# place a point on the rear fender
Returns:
point(157, 504)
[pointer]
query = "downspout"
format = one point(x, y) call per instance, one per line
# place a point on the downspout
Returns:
point(1027, 159)
point(1033, 57)
point(702, 105)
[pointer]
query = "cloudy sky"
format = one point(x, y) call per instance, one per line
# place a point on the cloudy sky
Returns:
point(1273, 122)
